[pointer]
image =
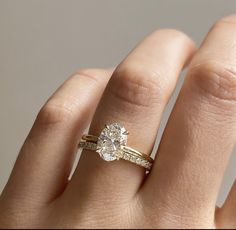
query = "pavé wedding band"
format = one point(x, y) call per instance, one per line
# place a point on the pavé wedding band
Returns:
point(112, 145)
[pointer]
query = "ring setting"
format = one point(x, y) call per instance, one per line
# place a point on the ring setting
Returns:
point(110, 141)
point(111, 145)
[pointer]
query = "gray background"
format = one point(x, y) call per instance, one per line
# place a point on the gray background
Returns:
point(42, 42)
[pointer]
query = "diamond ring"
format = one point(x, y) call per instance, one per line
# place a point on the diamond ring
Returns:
point(112, 145)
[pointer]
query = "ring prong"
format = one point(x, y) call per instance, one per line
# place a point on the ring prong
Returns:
point(126, 132)
point(106, 126)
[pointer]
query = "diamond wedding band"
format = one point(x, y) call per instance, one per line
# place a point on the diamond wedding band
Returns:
point(112, 145)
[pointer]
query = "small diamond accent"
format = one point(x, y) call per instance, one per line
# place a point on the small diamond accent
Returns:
point(138, 161)
point(133, 159)
point(82, 144)
point(149, 165)
point(126, 156)
point(93, 146)
point(143, 163)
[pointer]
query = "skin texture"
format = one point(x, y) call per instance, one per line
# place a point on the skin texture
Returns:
point(182, 188)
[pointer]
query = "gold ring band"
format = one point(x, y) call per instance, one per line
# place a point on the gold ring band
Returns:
point(112, 145)
point(88, 137)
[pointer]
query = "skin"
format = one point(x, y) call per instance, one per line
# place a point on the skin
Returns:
point(182, 187)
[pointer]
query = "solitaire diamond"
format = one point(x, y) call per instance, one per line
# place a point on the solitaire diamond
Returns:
point(111, 140)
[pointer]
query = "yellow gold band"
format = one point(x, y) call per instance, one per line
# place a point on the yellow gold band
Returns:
point(89, 142)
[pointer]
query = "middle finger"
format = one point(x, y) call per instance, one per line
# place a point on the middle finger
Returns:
point(200, 134)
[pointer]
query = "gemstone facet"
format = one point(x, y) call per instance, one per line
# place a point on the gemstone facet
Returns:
point(111, 140)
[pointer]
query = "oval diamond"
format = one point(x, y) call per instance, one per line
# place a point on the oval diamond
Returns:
point(111, 139)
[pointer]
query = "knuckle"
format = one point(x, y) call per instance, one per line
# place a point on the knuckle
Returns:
point(54, 112)
point(87, 74)
point(214, 81)
point(96, 76)
point(136, 86)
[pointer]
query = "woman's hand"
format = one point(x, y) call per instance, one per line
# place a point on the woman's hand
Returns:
point(181, 189)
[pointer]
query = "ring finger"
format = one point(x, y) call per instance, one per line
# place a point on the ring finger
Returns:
point(135, 97)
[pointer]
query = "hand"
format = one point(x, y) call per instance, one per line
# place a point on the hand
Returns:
point(182, 187)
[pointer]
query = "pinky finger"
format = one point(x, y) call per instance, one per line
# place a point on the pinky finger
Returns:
point(44, 163)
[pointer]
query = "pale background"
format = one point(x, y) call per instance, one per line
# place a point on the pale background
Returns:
point(43, 41)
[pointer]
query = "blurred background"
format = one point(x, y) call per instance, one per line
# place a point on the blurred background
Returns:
point(42, 42)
